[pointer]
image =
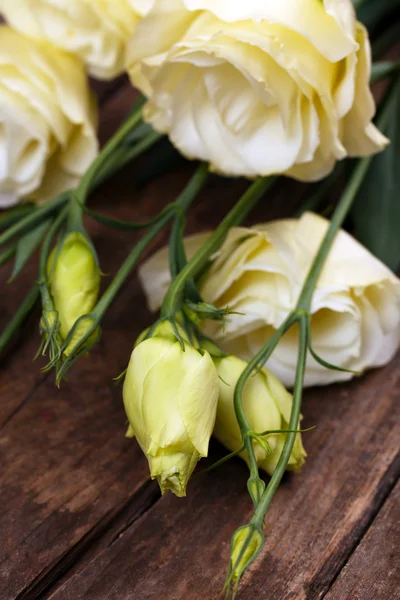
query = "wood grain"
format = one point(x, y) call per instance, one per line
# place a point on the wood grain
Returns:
point(373, 571)
point(179, 549)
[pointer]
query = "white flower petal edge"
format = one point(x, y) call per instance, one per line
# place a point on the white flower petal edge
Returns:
point(47, 119)
point(260, 271)
point(258, 87)
point(95, 30)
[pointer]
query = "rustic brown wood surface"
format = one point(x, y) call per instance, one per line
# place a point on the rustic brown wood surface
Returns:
point(79, 518)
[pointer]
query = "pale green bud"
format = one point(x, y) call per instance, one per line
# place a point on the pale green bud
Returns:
point(170, 397)
point(267, 406)
point(247, 543)
point(74, 281)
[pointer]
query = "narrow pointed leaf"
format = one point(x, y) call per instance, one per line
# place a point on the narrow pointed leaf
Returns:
point(376, 213)
point(26, 247)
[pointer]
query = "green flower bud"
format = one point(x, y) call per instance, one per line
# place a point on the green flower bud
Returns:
point(247, 543)
point(267, 405)
point(170, 397)
point(74, 281)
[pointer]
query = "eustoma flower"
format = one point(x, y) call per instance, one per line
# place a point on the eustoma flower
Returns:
point(170, 396)
point(74, 283)
point(267, 406)
point(47, 119)
point(258, 87)
point(95, 30)
point(259, 272)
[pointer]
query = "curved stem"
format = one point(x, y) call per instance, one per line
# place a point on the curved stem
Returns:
point(106, 154)
point(239, 212)
point(30, 220)
point(275, 480)
point(183, 203)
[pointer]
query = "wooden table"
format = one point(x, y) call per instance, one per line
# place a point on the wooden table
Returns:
point(79, 517)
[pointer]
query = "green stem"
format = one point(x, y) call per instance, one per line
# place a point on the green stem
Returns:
point(28, 222)
point(335, 225)
point(19, 317)
point(239, 212)
point(45, 249)
point(105, 155)
point(301, 315)
point(124, 155)
point(182, 203)
point(275, 480)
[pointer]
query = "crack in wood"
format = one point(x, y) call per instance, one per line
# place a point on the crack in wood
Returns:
point(323, 582)
point(104, 534)
point(25, 401)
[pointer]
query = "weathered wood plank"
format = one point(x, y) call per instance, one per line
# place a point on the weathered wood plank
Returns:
point(179, 548)
point(373, 571)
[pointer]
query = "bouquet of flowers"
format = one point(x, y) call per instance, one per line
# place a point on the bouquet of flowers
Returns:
point(259, 89)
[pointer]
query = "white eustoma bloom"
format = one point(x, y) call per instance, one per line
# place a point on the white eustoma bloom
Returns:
point(260, 271)
point(170, 398)
point(47, 119)
point(258, 87)
point(96, 30)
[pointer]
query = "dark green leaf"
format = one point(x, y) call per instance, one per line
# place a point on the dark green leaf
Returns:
point(383, 69)
point(26, 246)
point(372, 12)
point(376, 213)
point(13, 215)
point(6, 255)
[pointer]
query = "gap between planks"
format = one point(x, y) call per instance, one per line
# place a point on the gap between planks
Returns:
point(103, 535)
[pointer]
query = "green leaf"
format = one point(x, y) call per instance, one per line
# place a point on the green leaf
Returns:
point(26, 247)
point(372, 12)
point(6, 255)
point(376, 213)
point(18, 318)
point(383, 69)
point(13, 215)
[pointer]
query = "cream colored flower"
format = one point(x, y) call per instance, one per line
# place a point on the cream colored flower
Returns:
point(96, 30)
point(267, 406)
point(74, 280)
point(47, 119)
point(260, 271)
point(170, 398)
point(258, 87)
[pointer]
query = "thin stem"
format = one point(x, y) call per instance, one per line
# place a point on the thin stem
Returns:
point(239, 212)
point(335, 225)
point(260, 358)
point(30, 220)
point(45, 250)
point(124, 155)
point(182, 203)
point(275, 480)
point(106, 154)
point(301, 315)
point(19, 317)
